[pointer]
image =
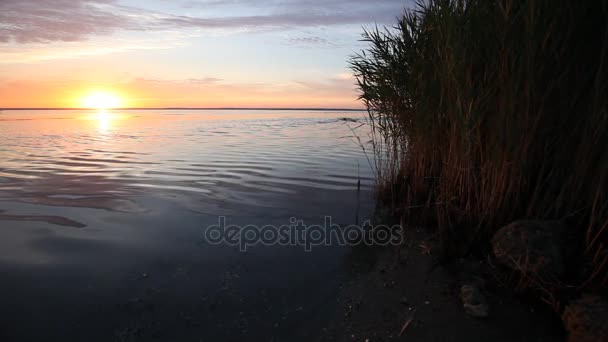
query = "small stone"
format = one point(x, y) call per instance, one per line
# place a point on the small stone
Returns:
point(473, 301)
point(585, 319)
point(403, 301)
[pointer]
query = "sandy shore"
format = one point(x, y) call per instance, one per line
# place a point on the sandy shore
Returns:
point(397, 285)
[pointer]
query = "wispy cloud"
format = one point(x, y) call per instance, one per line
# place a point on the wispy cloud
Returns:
point(36, 52)
point(31, 21)
point(41, 21)
point(311, 41)
point(332, 91)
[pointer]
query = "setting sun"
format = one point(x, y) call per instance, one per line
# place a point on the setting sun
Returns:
point(101, 100)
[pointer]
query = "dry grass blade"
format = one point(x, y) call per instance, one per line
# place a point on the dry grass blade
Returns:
point(408, 321)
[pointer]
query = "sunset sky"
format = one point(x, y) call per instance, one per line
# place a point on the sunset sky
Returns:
point(184, 53)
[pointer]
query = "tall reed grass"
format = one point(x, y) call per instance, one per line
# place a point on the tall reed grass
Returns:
point(488, 111)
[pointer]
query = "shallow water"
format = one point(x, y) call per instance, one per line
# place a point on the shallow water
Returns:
point(102, 220)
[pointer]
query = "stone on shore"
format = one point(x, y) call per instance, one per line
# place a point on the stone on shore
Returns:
point(586, 319)
point(473, 301)
point(532, 246)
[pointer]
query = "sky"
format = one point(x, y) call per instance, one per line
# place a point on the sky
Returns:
point(185, 53)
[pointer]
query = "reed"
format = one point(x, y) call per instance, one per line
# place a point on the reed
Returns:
point(488, 111)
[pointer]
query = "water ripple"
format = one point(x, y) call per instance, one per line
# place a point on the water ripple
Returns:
point(215, 156)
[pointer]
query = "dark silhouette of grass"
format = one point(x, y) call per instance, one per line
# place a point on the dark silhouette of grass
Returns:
point(488, 111)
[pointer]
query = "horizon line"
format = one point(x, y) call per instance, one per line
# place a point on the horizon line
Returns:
point(187, 108)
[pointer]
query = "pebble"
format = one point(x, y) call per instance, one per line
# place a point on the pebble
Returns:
point(473, 301)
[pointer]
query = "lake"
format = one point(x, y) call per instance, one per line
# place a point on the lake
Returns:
point(103, 218)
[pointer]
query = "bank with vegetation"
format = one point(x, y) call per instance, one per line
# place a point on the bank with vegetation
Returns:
point(490, 122)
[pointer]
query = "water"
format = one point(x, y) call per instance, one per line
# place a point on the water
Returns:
point(102, 219)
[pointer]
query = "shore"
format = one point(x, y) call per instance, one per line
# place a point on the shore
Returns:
point(403, 294)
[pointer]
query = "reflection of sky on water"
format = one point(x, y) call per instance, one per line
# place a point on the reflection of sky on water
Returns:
point(261, 165)
point(92, 201)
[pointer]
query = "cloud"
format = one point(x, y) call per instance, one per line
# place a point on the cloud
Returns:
point(303, 5)
point(311, 41)
point(36, 52)
point(329, 92)
point(36, 21)
point(31, 21)
point(204, 80)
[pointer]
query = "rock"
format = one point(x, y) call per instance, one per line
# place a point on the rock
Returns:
point(585, 319)
point(473, 301)
point(532, 246)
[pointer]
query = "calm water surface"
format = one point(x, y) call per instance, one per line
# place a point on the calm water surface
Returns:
point(102, 216)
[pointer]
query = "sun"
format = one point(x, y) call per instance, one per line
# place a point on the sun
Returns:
point(101, 100)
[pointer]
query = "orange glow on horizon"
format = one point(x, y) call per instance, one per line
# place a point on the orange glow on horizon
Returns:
point(161, 94)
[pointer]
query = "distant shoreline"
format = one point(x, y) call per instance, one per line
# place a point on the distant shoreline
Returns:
point(203, 108)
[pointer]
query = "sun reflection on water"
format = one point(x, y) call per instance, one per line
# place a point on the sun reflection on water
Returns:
point(103, 120)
